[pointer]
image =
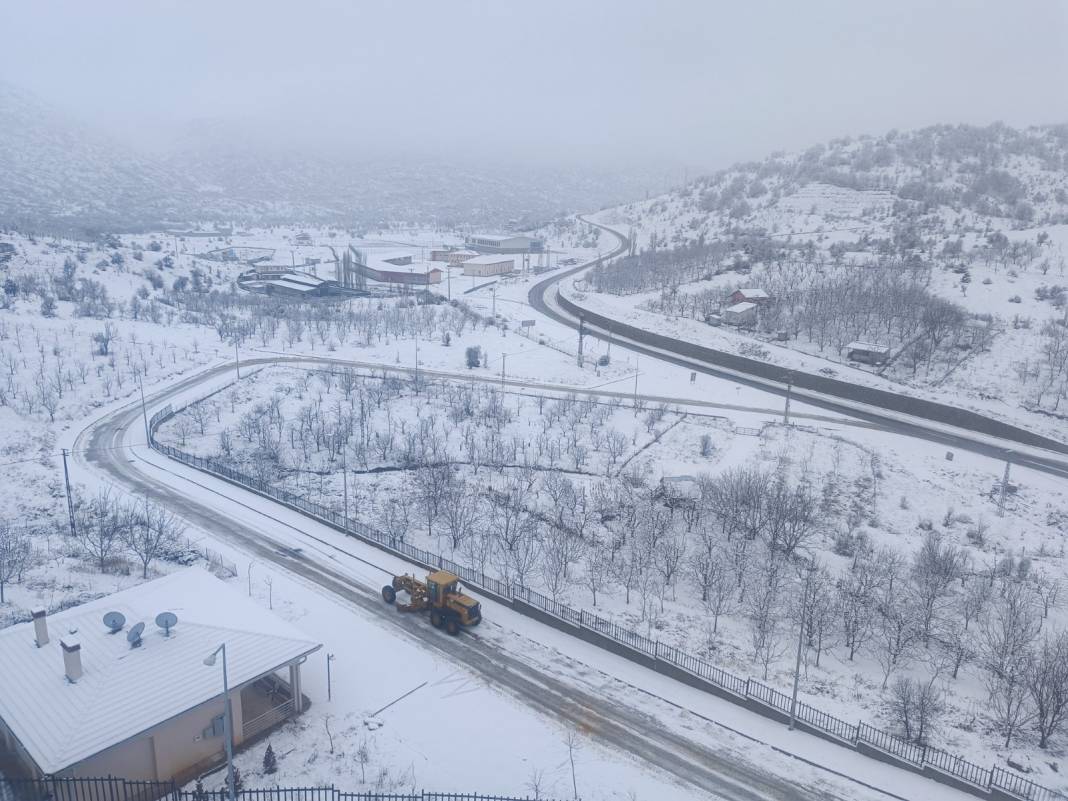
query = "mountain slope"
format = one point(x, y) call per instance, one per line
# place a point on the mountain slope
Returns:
point(995, 175)
point(59, 174)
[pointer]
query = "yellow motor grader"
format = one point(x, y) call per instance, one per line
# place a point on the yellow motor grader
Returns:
point(441, 595)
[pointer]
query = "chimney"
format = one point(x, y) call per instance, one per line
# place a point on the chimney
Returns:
point(72, 658)
point(40, 627)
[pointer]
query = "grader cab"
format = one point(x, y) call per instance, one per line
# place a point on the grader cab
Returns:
point(440, 594)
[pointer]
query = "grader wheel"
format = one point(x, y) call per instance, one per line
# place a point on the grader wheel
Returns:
point(389, 595)
point(452, 625)
point(436, 619)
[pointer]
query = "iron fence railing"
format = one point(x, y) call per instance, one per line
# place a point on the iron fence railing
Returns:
point(851, 734)
point(116, 789)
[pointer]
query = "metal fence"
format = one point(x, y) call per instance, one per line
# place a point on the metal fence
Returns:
point(640, 647)
point(116, 789)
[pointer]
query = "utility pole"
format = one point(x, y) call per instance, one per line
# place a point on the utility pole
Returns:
point(1004, 486)
point(504, 356)
point(786, 411)
point(345, 479)
point(582, 335)
point(329, 684)
point(237, 359)
point(70, 500)
point(494, 301)
point(609, 354)
point(144, 414)
point(417, 364)
point(809, 569)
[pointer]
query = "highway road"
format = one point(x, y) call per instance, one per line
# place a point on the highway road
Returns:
point(1008, 443)
point(104, 448)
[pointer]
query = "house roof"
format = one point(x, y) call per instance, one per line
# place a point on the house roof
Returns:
point(739, 308)
point(870, 347)
point(754, 293)
point(125, 691)
point(491, 259)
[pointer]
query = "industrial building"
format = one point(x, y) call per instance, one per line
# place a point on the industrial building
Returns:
point(115, 688)
point(397, 268)
point(505, 243)
point(281, 280)
point(452, 257)
point(489, 265)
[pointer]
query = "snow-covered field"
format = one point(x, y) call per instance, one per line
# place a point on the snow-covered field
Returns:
point(573, 481)
point(879, 494)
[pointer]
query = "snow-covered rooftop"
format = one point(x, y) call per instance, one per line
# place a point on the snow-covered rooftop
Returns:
point(870, 347)
point(755, 293)
point(738, 308)
point(490, 259)
point(125, 690)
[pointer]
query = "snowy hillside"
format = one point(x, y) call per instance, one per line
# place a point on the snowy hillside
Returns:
point(58, 175)
point(945, 246)
point(1009, 177)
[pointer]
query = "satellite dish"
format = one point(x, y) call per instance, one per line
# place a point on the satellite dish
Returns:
point(134, 635)
point(114, 621)
point(167, 621)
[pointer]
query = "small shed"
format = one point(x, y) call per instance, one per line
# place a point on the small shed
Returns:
point(867, 352)
point(676, 489)
point(749, 295)
point(740, 314)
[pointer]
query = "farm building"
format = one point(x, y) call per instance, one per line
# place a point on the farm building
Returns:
point(489, 265)
point(505, 243)
point(395, 267)
point(302, 239)
point(750, 295)
point(109, 699)
point(452, 256)
point(867, 352)
point(297, 284)
point(740, 314)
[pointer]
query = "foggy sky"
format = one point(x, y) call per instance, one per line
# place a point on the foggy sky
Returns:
point(664, 82)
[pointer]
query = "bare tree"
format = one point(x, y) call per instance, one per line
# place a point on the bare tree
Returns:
point(15, 551)
point(102, 528)
point(897, 633)
point(765, 613)
point(1008, 632)
point(935, 567)
point(1047, 682)
point(462, 512)
point(150, 532)
point(857, 597)
point(917, 706)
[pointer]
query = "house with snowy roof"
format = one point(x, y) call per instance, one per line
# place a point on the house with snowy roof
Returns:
point(748, 295)
point(115, 688)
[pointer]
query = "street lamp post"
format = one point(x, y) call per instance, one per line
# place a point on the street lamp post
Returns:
point(809, 570)
point(228, 721)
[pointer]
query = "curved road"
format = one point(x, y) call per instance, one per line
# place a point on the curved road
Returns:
point(542, 296)
point(722, 775)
